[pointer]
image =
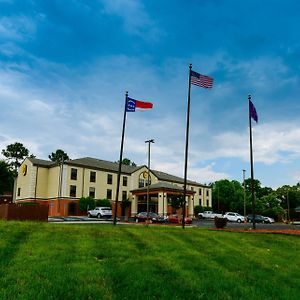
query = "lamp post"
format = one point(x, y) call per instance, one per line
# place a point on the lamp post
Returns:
point(288, 205)
point(148, 177)
point(244, 171)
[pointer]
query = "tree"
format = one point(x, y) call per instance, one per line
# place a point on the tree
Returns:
point(124, 204)
point(127, 162)
point(222, 194)
point(15, 153)
point(6, 178)
point(86, 203)
point(269, 205)
point(256, 186)
point(58, 156)
point(229, 196)
point(176, 202)
point(198, 209)
point(290, 198)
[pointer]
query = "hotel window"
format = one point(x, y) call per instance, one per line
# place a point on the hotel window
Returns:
point(207, 193)
point(143, 179)
point(92, 192)
point(207, 203)
point(92, 176)
point(19, 191)
point(200, 192)
point(109, 179)
point(141, 183)
point(73, 174)
point(124, 195)
point(125, 179)
point(109, 194)
point(72, 190)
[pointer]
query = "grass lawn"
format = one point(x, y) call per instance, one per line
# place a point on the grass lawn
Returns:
point(57, 261)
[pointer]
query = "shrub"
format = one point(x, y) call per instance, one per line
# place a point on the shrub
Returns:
point(28, 204)
point(198, 209)
point(220, 222)
point(103, 203)
point(86, 203)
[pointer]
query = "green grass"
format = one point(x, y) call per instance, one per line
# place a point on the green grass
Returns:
point(56, 261)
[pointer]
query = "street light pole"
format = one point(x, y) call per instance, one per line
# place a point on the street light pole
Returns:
point(148, 177)
point(244, 184)
point(288, 206)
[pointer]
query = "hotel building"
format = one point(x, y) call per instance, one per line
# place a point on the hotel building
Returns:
point(61, 185)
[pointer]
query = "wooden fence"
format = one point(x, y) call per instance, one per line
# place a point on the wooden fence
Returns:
point(24, 212)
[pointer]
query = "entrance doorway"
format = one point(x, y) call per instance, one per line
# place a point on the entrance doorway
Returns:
point(72, 209)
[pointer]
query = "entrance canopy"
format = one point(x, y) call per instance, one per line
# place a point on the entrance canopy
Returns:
point(162, 187)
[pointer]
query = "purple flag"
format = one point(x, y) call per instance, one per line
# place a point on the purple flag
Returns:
point(253, 112)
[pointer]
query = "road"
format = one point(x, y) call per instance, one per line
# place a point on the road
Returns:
point(276, 226)
point(199, 223)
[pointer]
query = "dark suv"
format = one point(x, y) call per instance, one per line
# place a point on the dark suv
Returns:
point(258, 219)
point(153, 217)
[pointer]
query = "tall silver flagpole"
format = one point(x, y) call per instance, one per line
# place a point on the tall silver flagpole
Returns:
point(120, 162)
point(186, 148)
point(251, 163)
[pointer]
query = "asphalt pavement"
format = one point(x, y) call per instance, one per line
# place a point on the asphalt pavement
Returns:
point(196, 223)
point(275, 226)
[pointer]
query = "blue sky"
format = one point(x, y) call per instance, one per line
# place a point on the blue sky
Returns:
point(65, 67)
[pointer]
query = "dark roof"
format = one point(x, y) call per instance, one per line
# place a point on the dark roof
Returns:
point(100, 164)
point(87, 162)
point(167, 177)
point(162, 186)
point(42, 162)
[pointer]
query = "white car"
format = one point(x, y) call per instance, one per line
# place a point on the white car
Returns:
point(100, 212)
point(234, 217)
point(268, 220)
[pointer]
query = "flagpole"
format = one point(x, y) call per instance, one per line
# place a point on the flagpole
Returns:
point(186, 148)
point(251, 163)
point(120, 161)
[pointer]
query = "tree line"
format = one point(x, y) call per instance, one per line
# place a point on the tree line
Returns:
point(277, 203)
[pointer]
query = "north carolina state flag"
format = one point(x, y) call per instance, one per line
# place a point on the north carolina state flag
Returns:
point(132, 104)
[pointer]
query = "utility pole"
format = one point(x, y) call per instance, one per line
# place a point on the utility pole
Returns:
point(244, 184)
point(288, 205)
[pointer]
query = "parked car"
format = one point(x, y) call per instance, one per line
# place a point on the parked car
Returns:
point(269, 220)
point(178, 219)
point(153, 217)
point(234, 217)
point(208, 215)
point(258, 219)
point(100, 212)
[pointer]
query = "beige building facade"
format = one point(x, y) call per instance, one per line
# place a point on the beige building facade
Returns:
point(60, 186)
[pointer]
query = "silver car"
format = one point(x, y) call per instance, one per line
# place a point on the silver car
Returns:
point(234, 217)
point(268, 220)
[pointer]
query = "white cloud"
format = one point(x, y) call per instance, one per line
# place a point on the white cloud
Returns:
point(135, 18)
point(272, 143)
point(83, 115)
point(17, 28)
point(202, 175)
point(131, 11)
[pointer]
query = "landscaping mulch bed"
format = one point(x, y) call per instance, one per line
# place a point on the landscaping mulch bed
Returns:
point(273, 231)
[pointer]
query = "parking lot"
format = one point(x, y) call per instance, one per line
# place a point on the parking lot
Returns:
point(196, 223)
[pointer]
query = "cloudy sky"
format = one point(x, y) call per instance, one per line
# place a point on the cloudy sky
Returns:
point(65, 67)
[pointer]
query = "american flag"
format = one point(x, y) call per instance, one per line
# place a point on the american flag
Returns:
point(201, 80)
